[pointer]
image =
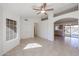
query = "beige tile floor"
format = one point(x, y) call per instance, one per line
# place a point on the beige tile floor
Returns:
point(55, 48)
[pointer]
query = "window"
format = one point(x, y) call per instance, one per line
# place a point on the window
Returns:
point(10, 29)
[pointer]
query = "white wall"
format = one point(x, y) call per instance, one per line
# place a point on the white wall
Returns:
point(27, 27)
point(68, 15)
point(1, 31)
point(64, 23)
point(45, 28)
point(27, 30)
point(51, 31)
point(51, 26)
point(42, 29)
point(8, 45)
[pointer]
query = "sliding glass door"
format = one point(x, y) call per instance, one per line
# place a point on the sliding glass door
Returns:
point(71, 34)
point(68, 31)
point(74, 31)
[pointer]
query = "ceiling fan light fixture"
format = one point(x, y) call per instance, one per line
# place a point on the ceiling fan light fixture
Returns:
point(43, 11)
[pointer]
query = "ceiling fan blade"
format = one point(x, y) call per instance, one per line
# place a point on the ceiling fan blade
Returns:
point(36, 9)
point(38, 13)
point(49, 9)
point(44, 5)
point(41, 7)
point(45, 13)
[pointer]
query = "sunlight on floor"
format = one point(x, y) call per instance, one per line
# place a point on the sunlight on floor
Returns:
point(32, 45)
point(74, 42)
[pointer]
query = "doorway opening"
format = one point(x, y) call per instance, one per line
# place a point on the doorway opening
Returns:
point(35, 29)
point(67, 30)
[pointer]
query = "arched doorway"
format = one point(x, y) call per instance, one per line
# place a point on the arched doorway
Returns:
point(66, 30)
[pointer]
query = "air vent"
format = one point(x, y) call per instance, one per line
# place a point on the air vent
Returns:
point(26, 19)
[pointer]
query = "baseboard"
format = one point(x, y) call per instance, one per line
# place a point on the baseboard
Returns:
point(27, 38)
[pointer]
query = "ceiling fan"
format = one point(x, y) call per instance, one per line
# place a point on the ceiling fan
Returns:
point(43, 9)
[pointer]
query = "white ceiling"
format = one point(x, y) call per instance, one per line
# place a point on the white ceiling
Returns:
point(25, 9)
